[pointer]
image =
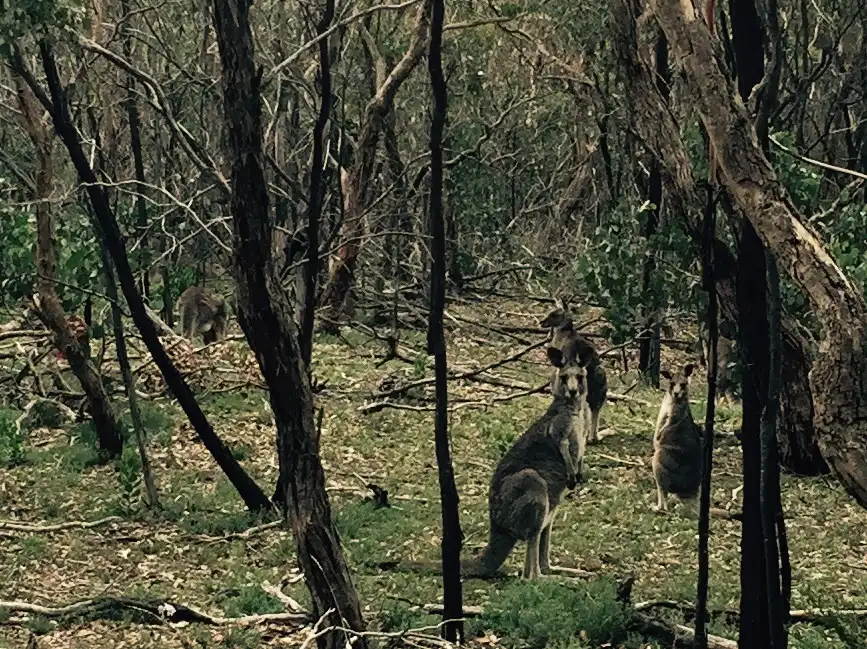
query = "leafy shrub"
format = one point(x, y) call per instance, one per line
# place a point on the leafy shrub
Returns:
point(554, 614)
point(11, 440)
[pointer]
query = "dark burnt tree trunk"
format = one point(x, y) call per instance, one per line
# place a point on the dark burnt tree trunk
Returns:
point(266, 318)
point(436, 343)
point(761, 623)
point(709, 281)
point(648, 358)
point(306, 301)
point(134, 120)
point(109, 430)
point(58, 107)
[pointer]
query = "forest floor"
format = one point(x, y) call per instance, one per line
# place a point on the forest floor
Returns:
point(187, 553)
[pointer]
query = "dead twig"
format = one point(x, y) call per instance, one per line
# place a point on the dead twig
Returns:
point(84, 525)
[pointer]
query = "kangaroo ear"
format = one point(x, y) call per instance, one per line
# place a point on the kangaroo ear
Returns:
point(665, 374)
point(687, 369)
point(555, 318)
point(555, 355)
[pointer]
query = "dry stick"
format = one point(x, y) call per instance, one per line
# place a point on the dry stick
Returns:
point(83, 525)
point(461, 375)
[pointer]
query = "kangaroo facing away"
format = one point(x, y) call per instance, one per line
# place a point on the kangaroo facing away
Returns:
point(202, 312)
point(530, 480)
point(573, 344)
point(677, 457)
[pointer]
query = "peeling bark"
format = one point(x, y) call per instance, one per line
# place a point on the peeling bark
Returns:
point(839, 372)
point(655, 125)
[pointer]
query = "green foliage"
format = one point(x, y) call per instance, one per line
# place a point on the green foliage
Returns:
point(545, 613)
point(399, 616)
point(240, 638)
point(18, 261)
point(129, 476)
point(44, 414)
point(11, 440)
point(39, 17)
point(609, 271)
point(250, 600)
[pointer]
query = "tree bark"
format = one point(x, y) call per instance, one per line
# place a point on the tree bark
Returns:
point(656, 127)
point(58, 107)
point(709, 281)
point(134, 120)
point(436, 342)
point(109, 430)
point(358, 181)
point(266, 318)
point(649, 343)
point(840, 371)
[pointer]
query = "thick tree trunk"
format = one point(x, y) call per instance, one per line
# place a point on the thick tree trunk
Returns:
point(58, 106)
point(266, 319)
point(656, 127)
point(359, 177)
point(109, 430)
point(840, 370)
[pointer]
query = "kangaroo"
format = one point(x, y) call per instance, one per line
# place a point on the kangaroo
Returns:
point(573, 344)
point(530, 480)
point(677, 457)
point(202, 312)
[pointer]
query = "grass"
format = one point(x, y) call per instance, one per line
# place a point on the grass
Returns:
point(606, 525)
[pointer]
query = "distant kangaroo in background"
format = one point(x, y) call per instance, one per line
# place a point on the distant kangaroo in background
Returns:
point(529, 481)
point(204, 312)
point(677, 449)
point(573, 344)
point(677, 444)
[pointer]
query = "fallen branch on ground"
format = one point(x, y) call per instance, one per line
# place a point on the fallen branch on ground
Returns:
point(161, 609)
point(84, 525)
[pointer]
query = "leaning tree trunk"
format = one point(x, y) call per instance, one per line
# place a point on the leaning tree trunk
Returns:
point(839, 372)
point(266, 318)
point(50, 310)
point(655, 126)
point(358, 179)
point(57, 104)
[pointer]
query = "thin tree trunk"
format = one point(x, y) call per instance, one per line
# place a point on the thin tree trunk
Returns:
point(57, 105)
point(151, 493)
point(108, 427)
point(138, 161)
point(701, 616)
point(265, 316)
point(649, 342)
point(356, 189)
point(436, 343)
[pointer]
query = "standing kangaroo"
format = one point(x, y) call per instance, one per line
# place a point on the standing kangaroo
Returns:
point(530, 480)
point(204, 312)
point(677, 457)
point(573, 344)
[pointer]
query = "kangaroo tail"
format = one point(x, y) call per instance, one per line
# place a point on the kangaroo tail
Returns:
point(485, 564)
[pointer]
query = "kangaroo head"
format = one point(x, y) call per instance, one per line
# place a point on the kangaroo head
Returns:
point(570, 376)
point(678, 384)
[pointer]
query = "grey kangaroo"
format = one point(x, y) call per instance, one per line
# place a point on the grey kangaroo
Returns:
point(677, 457)
point(530, 480)
point(573, 344)
point(204, 312)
